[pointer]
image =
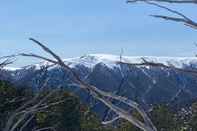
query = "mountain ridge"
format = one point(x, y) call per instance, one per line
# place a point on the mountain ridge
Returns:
point(91, 60)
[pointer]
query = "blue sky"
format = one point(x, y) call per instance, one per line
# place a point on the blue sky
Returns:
point(74, 28)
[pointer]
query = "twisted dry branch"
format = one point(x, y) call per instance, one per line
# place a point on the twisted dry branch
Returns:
point(6, 60)
point(181, 17)
point(98, 94)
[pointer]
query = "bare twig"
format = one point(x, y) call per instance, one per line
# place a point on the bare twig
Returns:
point(182, 18)
point(45, 129)
point(6, 60)
point(167, 1)
point(110, 121)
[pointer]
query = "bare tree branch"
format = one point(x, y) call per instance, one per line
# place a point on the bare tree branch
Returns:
point(101, 95)
point(111, 121)
point(6, 60)
point(182, 18)
point(167, 1)
point(46, 128)
point(27, 122)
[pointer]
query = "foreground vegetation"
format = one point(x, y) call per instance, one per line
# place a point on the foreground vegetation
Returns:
point(71, 115)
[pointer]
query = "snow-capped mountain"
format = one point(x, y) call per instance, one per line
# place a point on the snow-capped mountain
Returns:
point(144, 84)
point(110, 60)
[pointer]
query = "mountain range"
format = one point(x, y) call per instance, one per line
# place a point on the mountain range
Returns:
point(145, 84)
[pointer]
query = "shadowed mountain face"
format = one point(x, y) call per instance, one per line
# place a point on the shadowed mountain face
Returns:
point(144, 84)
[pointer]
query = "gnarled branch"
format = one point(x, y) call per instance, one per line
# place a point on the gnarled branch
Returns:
point(100, 95)
point(181, 17)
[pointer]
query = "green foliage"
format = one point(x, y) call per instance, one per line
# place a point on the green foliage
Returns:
point(126, 126)
point(10, 99)
point(70, 115)
point(193, 121)
point(162, 117)
point(167, 120)
point(89, 120)
point(64, 116)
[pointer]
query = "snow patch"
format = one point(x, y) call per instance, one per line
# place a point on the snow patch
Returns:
point(11, 68)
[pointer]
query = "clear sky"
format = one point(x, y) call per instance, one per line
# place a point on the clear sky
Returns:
point(77, 27)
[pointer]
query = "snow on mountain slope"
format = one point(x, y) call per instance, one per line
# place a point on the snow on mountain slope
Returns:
point(11, 68)
point(110, 60)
